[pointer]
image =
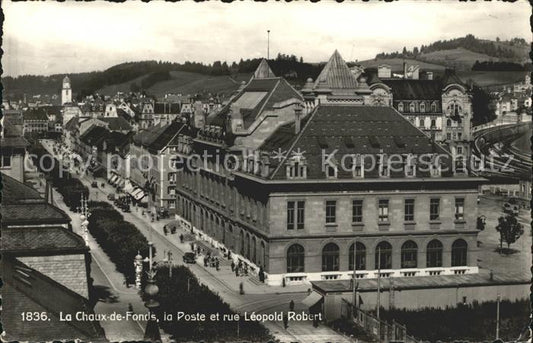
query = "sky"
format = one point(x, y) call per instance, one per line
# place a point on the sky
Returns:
point(44, 38)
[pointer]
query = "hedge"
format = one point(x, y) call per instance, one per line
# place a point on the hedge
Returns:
point(119, 239)
point(476, 322)
point(174, 296)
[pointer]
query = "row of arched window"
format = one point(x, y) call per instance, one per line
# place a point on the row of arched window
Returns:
point(418, 107)
point(382, 256)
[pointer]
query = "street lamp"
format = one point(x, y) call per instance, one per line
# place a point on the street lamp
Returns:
point(151, 290)
point(138, 264)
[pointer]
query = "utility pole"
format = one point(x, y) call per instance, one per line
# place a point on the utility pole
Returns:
point(498, 317)
point(354, 279)
point(268, 45)
point(378, 305)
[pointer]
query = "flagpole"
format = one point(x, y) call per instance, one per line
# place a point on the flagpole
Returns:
point(268, 45)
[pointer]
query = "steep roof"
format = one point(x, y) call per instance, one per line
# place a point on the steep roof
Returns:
point(94, 135)
point(263, 71)
point(409, 89)
point(21, 241)
point(157, 137)
point(116, 123)
point(23, 204)
point(350, 130)
point(336, 75)
point(27, 290)
point(72, 124)
point(36, 114)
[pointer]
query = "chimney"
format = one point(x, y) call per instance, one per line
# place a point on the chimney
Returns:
point(297, 118)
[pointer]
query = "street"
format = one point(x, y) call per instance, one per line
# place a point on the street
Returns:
point(258, 297)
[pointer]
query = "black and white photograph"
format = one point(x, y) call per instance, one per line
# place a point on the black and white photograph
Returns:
point(282, 172)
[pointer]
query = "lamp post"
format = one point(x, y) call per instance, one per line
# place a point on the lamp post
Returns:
point(85, 214)
point(151, 290)
point(138, 263)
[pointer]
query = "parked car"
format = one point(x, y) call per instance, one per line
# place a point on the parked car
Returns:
point(111, 197)
point(189, 257)
point(94, 184)
point(512, 206)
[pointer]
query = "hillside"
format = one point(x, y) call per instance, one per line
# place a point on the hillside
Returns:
point(397, 64)
point(184, 83)
point(461, 53)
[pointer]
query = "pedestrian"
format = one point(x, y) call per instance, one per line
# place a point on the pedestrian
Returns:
point(246, 269)
point(261, 275)
point(130, 308)
point(229, 254)
point(291, 305)
point(285, 320)
point(232, 265)
point(206, 261)
point(217, 264)
point(241, 288)
point(181, 237)
point(165, 231)
point(192, 246)
point(237, 272)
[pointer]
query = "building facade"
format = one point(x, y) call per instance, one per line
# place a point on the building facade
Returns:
point(264, 192)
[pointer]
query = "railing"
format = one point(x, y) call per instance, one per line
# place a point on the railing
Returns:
point(383, 331)
point(502, 121)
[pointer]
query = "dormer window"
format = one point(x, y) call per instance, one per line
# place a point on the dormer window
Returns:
point(409, 166)
point(412, 108)
point(400, 106)
point(296, 168)
point(384, 170)
point(423, 107)
point(435, 168)
point(434, 107)
point(331, 172)
point(356, 166)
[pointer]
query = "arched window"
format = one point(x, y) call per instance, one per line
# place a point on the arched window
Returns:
point(459, 253)
point(400, 106)
point(434, 254)
point(412, 107)
point(254, 250)
point(330, 257)
point(434, 107)
point(409, 255)
point(433, 123)
point(263, 252)
point(295, 259)
point(421, 122)
point(449, 123)
point(423, 107)
point(360, 257)
point(248, 246)
point(383, 256)
point(241, 234)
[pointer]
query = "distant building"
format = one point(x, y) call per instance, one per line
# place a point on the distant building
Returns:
point(35, 120)
point(66, 91)
point(13, 152)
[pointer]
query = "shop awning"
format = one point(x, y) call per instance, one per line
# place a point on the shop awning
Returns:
point(312, 299)
point(139, 195)
point(113, 179)
point(128, 187)
point(135, 192)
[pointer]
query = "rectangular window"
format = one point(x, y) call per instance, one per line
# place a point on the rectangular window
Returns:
point(295, 215)
point(449, 136)
point(6, 161)
point(459, 208)
point(383, 210)
point(357, 211)
point(300, 215)
point(434, 209)
point(331, 211)
point(409, 214)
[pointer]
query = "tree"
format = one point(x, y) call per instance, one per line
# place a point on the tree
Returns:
point(510, 230)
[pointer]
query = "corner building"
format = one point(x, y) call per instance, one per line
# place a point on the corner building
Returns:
point(280, 207)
